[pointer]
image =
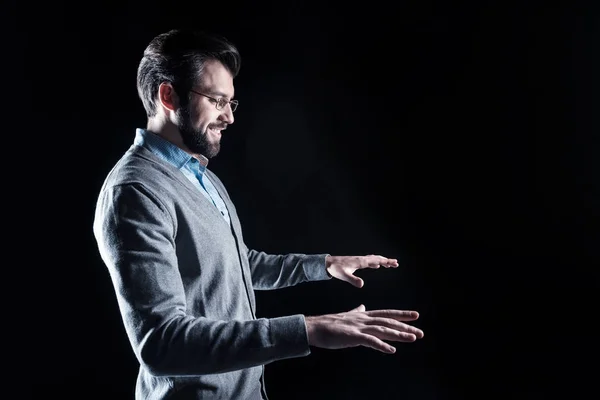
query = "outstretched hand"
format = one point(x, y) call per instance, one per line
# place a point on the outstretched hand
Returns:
point(358, 327)
point(343, 267)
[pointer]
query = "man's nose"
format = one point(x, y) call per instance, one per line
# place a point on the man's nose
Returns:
point(228, 114)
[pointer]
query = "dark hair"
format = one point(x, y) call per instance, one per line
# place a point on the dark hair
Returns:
point(178, 57)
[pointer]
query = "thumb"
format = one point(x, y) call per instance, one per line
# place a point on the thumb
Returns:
point(360, 308)
point(355, 281)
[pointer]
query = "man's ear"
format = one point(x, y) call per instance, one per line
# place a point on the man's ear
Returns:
point(167, 96)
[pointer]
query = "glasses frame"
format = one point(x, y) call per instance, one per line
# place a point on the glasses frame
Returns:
point(220, 102)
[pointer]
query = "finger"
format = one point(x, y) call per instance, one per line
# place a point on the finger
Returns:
point(388, 262)
point(353, 280)
point(357, 282)
point(395, 325)
point(360, 308)
point(385, 333)
point(375, 343)
point(398, 315)
point(375, 261)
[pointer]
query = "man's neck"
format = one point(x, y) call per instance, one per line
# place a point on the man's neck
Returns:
point(169, 132)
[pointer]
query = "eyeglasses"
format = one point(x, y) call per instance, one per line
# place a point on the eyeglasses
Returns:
point(221, 102)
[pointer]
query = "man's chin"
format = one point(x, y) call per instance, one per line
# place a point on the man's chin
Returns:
point(214, 151)
point(209, 151)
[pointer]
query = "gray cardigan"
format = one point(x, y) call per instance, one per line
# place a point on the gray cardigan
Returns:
point(184, 282)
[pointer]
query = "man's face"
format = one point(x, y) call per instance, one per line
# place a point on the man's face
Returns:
point(200, 123)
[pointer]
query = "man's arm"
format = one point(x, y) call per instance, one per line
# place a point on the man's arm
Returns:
point(356, 327)
point(135, 234)
point(278, 271)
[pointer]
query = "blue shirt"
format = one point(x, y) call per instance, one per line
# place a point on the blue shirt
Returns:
point(187, 164)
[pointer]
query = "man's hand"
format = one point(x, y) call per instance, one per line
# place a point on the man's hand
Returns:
point(343, 267)
point(358, 327)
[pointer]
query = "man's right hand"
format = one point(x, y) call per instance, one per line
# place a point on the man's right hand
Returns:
point(358, 327)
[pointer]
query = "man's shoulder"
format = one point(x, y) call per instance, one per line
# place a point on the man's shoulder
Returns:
point(138, 166)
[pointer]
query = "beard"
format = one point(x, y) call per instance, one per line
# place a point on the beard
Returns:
point(195, 139)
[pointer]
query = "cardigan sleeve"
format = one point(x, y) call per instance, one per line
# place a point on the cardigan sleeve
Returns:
point(135, 233)
point(271, 271)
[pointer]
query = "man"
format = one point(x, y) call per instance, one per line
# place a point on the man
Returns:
point(172, 241)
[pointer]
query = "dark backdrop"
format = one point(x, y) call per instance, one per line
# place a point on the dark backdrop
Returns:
point(458, 137)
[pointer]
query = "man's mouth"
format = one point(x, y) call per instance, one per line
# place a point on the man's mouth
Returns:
point(217, 128)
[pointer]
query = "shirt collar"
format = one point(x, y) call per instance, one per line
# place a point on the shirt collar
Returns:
point(168, 151)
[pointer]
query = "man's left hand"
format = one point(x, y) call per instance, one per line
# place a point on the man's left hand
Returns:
point(343, 267)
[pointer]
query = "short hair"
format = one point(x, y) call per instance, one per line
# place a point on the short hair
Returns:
point(178, 57)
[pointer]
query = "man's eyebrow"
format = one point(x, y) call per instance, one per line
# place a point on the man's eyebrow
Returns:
point(216, 93)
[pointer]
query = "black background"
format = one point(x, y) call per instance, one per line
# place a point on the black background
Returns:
point(458, 137)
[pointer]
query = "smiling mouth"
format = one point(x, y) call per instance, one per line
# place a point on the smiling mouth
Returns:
point(217, 128)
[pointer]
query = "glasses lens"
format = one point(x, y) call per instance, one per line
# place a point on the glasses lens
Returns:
point(233, 105)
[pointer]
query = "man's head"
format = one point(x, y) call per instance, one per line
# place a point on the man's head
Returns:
point(185, 79)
